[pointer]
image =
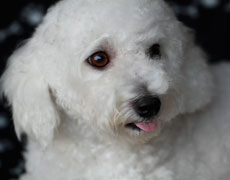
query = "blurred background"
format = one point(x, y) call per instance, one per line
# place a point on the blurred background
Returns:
point(18, 18)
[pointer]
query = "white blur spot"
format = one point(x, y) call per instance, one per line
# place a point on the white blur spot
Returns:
point(209, 3)
point(3, 35)
point(35, 18)
point(14, 28)
point(190, 11)
point(193, 11)
point(3, 121)
point(32, 14)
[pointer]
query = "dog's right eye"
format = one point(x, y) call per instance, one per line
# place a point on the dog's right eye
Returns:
point(99, 59)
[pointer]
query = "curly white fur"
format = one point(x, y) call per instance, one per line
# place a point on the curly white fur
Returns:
point(76, 115)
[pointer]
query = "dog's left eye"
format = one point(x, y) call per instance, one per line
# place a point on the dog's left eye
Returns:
point(154, 51)
point(98, 59)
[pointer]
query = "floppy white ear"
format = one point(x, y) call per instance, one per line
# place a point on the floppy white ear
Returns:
point(28, 93)
point(197, 81)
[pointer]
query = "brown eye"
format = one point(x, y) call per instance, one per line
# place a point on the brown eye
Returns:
point(154, 51)
point(98, 59)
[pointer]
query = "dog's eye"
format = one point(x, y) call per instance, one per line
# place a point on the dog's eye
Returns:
point(154, 51)
point(98, 59)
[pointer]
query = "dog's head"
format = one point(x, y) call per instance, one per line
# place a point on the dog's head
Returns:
point(119, 67)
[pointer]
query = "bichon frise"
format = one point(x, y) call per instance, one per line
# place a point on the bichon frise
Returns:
point(97, 85)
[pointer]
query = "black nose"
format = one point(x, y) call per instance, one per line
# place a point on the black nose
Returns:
point(147, 106)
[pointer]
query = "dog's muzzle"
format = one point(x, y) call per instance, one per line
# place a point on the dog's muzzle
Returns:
point(146, 107)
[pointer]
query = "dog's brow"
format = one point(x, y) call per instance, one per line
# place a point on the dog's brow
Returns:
point(97, 45)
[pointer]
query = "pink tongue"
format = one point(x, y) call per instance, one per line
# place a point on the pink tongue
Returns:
point(148, 127)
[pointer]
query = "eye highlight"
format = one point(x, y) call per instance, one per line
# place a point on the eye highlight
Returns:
point(99, 59)
point(154, 51)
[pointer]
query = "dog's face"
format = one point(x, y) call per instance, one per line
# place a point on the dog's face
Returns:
point(118, 67)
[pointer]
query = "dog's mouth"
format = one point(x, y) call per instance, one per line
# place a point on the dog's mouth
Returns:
point(147, 126)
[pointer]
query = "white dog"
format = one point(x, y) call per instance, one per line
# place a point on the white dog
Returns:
point(97, 85)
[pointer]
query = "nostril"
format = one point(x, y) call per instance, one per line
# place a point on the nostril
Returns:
point(147, 106)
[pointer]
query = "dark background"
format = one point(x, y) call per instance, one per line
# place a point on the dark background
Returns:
point(18, 19)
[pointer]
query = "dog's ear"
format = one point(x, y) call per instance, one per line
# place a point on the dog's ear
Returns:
point(197, 84)
point(27, 91)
